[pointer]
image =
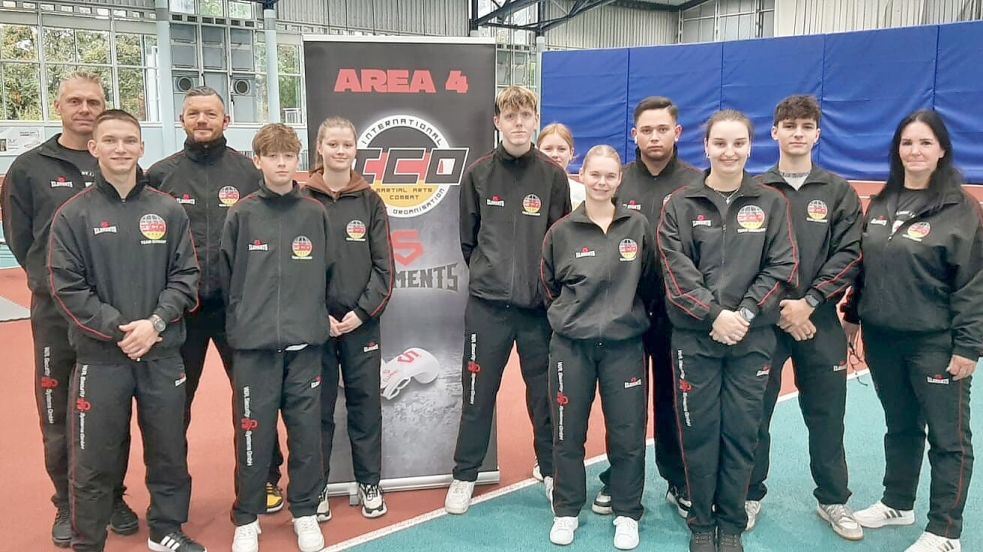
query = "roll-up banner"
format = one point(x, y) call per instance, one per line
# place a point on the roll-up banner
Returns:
point(423, 110)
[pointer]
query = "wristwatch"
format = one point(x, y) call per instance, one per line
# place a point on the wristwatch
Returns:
point(812, 301)
point(158, 322)
point(746, 313)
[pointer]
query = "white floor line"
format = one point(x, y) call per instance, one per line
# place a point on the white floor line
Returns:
point(439, 513)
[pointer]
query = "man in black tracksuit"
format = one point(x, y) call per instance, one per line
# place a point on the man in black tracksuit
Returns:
point(38, 182)
point(509, 198)
point(646, 183)
point(595, 282)
point(123, 271)
point(274, 264)
point(363, 284)
point(736, 255)
point(826, 218)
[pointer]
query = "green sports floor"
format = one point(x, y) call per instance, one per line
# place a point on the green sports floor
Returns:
point(520, 519)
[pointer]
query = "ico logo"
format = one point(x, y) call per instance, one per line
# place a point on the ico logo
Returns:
point(302, 248)
point(628, 249)
point(751, 218)
point(153, 228)
point(531, 204)
point(409, 162)
point(918, 231)
point(355, 230)
point(817, 210)
point(228, 196)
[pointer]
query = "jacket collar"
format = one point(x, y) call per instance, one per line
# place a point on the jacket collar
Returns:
point(580, 214)
point(105, 187)
point(51, 148)
point(522, 160)
point(817, 175)
point(200, 152)
point(669, 169)
point(265, 193)
point(748, 188)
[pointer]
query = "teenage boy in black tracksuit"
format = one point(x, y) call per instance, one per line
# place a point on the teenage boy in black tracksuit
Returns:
point(723, 254)
point(646, 183)
point(826, 218)
point(594, 279)
point(123, 271)
point(919, 298)
point(274, 265)
point(362, 284)
point(207, 177)
point(509, 198)
point(38, 182)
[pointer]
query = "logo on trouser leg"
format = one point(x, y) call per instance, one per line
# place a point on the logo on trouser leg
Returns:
point(839, 367)
point(561, 401)
point(938, 379)
point(633, 382)
point(764, 371)
point(316, 383)
point(82, 404)
point(181, 379)
point(248, 425)
point(473, 367)
point(685, 388)
point(48, 384)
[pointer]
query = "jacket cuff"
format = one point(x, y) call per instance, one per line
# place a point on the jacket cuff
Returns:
point(361, 314)
point(817, 295)
point(966, 352)
point(750, 305)
point(714, 311)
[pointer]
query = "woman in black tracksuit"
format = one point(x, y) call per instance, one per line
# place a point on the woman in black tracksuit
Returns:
point(919, 297)
point(596, 262)
point(728, 256)
point(358, 293)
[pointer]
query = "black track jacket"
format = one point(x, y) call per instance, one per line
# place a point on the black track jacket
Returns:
point(927, 275)
point(362, 280)
point(113, 261)
point(593, 281)
point(38, 183)
point(826, 218)
point(744, 256)
point(274, 267)
point(507, 205)
point(206, 179)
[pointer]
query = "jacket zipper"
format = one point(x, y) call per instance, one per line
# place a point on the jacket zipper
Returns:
point(279, 278)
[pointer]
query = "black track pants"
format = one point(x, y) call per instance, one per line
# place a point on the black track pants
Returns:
point(358, 357)
point(820, 377)
point(719, 396)
point(490, 330)
point(267, 383)
point(909, 373)
point(102, 397)
point(577, 369)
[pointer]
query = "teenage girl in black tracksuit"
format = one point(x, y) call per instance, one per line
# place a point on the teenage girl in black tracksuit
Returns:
point(919, 298)
point(728, 256)
point(596, 262)
point(358, 293)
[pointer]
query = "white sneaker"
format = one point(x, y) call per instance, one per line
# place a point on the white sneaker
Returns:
point(459, 497)
point(562, 531)
point(309, 537)
point(548, 484)
point(536, 473)
point(323, 506)
point(930, 542)
point(880, 515)
point(602, 503)
point(752, 508)
point(625, 533)
point(842, 520)
point(246, 537)
point(373, 504)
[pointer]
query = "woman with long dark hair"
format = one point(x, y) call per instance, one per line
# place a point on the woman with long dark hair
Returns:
point(919, 298)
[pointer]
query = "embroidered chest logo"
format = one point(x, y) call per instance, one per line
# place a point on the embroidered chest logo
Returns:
point(185, 199)
point(751, 219)
point(585, 252)
point(635, 381)
point(62, 182)
point(880, 221)
point(153, 228)
point(531, 204)
point(104, 227)
point(228, 196)
point(817, 211)
point(495, 201)
point(258, 245)
point(633, 205)
point(355, 230)
point(918, 231)
point(701, 220)
point(628, 249)
point(302, 248)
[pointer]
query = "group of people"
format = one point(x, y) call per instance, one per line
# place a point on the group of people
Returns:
point(700, 285)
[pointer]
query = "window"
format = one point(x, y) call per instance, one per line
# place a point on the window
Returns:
point(20, 73)
point(136, 62)
point(728, 20)
point(291, 86)
point(240, 10)
point(212, 8)
point(183, 6)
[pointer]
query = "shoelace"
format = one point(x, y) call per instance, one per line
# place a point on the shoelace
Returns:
point(63, 514)
point(307, 523)
point(567, 524)
point(371, 491)
point(703, 538)
point(839, 513)
point(626, 523)
point(459, 489)
point(730, 540)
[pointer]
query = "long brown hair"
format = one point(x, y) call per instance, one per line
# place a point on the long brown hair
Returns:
point(330, 122)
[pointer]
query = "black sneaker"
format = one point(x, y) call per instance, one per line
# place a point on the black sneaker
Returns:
point(703, 542)
point(678, 498)
point(61, 530)
point(730, 542)
point(602, 502)
point(175, 541)
point(123, 520)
